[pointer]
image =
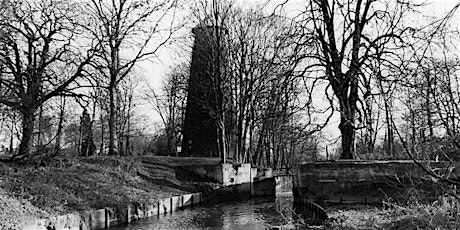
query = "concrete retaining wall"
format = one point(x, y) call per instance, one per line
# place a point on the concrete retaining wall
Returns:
point(240, 182)
point(357, 181)
point(263, 187)
point(226, 174)
point(104, 218)
point(229, 193)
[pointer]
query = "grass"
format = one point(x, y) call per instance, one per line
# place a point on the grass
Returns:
point(28, 190)
point(441, 214)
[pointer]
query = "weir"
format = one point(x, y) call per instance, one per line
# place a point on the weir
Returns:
point(243, 181)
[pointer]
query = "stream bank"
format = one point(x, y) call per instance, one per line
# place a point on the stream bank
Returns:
point(36, 190)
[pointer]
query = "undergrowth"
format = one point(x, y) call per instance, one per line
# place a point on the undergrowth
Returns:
point(440, 214)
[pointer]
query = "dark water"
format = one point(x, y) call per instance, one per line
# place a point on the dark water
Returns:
point(252, 214)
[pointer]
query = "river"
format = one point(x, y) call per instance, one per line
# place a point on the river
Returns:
point(254, 214)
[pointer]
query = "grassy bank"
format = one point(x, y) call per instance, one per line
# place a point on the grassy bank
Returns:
point(32, 190)
point(441, 214)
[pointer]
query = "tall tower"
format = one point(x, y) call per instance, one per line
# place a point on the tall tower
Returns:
point(200, 130)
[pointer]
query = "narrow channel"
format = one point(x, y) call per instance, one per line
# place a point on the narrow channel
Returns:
point(254, 214)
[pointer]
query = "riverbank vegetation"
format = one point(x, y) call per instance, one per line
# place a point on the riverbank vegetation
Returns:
point(35, 190)
point(443, 213)
point(440, 214)
point(418, 205)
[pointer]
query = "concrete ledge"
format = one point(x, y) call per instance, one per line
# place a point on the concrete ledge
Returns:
point(104, 218)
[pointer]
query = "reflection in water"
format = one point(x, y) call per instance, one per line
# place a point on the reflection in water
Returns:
point(254, 214)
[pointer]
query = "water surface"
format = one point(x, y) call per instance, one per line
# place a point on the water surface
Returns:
point(255, 214)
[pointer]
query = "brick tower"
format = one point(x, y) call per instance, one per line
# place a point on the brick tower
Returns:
point(199, 130)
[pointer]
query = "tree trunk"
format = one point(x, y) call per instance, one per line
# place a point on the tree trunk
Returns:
point(414, 130)
point(251, 145)
point(113, 140)
point(428, 106)
point(87, 144)
point(127, 152)
point(347, 120)
point(12, 135)
point(57, 145)
point(346, 129)
point(28, 123)
point(369, 135)
point(259, 146)
point(39, 135)
point(389, 132)
point(101, 147)
point(222, 141)
point(169, 139)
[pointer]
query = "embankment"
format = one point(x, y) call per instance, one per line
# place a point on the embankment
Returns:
point(63, 187)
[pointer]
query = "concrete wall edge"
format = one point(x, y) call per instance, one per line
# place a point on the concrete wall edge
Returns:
point(110, 216)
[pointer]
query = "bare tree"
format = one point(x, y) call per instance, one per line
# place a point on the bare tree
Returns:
point(170, 105)
point(265, 61)
point(432, 104)
point(127, 102)
point(347, 36)
point(127, 26)
point(249, 80)
point(40, 56)
point(428, 89)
